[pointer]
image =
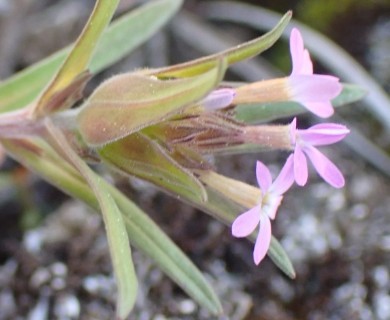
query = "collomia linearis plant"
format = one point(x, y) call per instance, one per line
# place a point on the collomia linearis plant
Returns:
point(159, 125)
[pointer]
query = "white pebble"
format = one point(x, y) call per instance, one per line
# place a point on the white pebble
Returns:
point(380, 274)
point(33, 240)
point(359, 211)
point(58, 284)
point(187, 306)
point(382, 306)
point(59, 269)
point(384, 243)
point(336, 201)
point(39, 277)
point(7, 303)
point(67, 306)
point(40, 311)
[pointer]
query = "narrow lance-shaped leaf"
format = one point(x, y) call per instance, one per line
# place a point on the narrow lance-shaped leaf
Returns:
point(78, 59)
point(169, 257)
point(131, 30)
point(140, 156)
point(127, 103)
point(120, 38)
point(233, 55)
point(116, 232)
point(142, 231)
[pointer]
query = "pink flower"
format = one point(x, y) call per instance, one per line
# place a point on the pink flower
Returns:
point(271, 197)
point(304, 142)
point(313, 91)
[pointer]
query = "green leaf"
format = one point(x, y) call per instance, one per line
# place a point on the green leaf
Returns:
point(351, 93)
point(120, 38)
point(118, 241)
point(256, 113)
point(127, 103)
point(142, 231)
point(131, 30)
point(233, 55)
point(280, 258)
point(148, 236)
point(78, 59)
point(140, 156)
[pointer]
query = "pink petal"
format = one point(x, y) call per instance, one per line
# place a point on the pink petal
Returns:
point(300, 166)
point(314, 88)
point(307, 65)
point(323, 134)
point(300, 57)
point(320, 109)
point(264, 178)
point(325, 168)
point(285, 179)
point(263, 240)
point(219, 99)
point(246, 222)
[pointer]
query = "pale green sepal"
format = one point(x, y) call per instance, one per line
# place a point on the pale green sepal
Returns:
point(130, 102)
point(139, 156)
point(233, 55)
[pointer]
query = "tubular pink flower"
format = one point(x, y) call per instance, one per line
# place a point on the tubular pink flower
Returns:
point(313, 91)
point(304, 142)
point(266, 210)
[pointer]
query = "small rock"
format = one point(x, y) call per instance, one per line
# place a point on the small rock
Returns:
point(187, 306)
point(67, 306)
point(7, 272)
point(359, 211)
point(99, 285)
point(59, 269)
point(41, 310)
point(7, 304)
point(58, 284)
point(382, 305)
point(40, 277)
point(380, 275)
point(33, 240)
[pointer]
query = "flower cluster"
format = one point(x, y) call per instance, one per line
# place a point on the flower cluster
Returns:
point(314, 92)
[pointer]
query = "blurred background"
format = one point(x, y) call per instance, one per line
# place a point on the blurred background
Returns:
point(54, 261)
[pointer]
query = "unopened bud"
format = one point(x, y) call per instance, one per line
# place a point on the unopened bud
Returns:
point(219, 99)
